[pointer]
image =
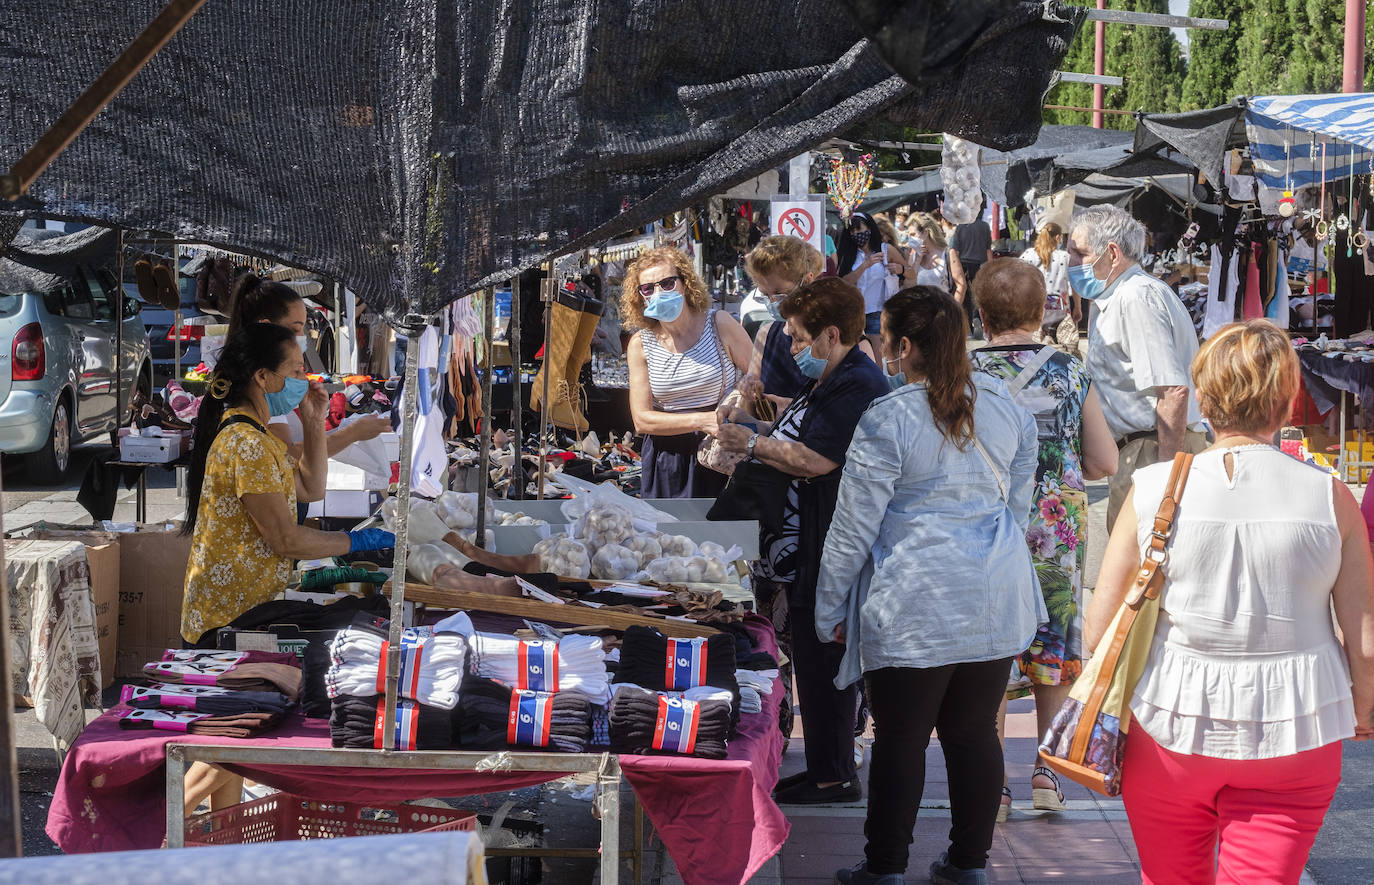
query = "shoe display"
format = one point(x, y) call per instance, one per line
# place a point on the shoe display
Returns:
point(941, 873)
point(807, 793)
point(859, 875)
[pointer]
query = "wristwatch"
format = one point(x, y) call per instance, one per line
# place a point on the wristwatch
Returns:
point(749, 446)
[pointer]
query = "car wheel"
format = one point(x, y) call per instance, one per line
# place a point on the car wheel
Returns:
point(50, 463)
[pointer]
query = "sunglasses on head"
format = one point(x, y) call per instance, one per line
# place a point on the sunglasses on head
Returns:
point(667, 284)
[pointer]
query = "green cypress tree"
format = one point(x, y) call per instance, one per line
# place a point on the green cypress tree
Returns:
point(1316, 58)
point(1264, 48)
point(1211, 78)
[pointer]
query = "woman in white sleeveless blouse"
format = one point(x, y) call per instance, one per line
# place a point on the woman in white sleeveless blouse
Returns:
point(1248, 690)
point(683, 362)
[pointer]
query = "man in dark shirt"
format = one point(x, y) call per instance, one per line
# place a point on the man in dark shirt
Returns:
point(972, 245)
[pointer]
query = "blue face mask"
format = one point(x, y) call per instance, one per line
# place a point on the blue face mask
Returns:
point(897, 380)
point(285, 400)
point(664, 307)
point(811, 365)
point(774, 313)
point(1085, 282)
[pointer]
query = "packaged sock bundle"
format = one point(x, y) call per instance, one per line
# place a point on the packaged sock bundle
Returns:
point(359, 722)
point(574, 663)
point(211, 699)
point(492, 716)
point(240, 670)
point(237, 725)
point(650, 722)
point(652, 660)
point(432, 664)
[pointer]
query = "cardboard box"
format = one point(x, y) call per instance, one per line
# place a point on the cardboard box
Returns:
point(102, 554)
point(152, 576)
point(151, 449)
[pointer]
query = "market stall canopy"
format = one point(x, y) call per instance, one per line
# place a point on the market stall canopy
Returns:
point(42, 261)
point(886, 198)
point(1007, 175)
point(1203, 137)
point(419, 149)
point(1288, 133)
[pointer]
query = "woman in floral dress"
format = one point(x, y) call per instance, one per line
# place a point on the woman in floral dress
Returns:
point(1075, 445)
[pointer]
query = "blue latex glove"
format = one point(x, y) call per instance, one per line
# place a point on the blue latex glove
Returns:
point(370, 539)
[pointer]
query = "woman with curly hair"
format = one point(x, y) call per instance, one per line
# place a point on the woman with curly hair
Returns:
point(685, 360)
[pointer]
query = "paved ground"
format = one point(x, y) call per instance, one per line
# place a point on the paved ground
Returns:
point(1089, 844)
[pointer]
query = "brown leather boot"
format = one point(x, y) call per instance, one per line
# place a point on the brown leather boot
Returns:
point(563, 330)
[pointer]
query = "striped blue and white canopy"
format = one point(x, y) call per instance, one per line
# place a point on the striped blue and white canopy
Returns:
point(1289, 132)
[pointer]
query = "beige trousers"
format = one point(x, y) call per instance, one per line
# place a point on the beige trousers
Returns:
point(1141, 453)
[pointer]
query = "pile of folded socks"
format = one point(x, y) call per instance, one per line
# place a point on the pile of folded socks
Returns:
point(357, 722)
point(573, 663)
point(238, 670)
point(653, 661)
point(432, 664)
point(492, 715)
point(697, 723)
point(219, 694)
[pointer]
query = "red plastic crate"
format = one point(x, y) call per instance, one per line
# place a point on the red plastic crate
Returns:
point(283, 817)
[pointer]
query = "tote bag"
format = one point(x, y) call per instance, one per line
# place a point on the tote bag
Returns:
point(1086, 742)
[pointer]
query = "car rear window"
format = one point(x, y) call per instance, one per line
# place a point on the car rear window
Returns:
point(9, 304)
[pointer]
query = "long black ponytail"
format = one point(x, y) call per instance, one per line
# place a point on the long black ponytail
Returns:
point(254, 347)
point(256, 300)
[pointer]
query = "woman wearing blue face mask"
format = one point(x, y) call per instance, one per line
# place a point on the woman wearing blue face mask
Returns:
point(825, 320)
point(244, 486)
point(683, 363)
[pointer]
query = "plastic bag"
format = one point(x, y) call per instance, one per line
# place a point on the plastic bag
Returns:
point(646, 546)
point(677, 545)
point(423, 559)
point(587, 495)
point(564, 556)
point(425, 526)
point(604, 524)
point(518, 518)
point(614, 563)
point(459, 509)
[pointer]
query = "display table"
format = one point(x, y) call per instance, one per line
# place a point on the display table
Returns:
point(716, 818)
point(1327, 377)
point(53, 635)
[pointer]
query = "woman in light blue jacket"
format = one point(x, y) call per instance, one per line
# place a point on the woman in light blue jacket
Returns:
point(927, 579)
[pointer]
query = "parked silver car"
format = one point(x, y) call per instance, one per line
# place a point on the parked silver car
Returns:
point(58, 339)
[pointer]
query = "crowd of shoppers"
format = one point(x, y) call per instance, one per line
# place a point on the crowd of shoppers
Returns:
point(935, 529)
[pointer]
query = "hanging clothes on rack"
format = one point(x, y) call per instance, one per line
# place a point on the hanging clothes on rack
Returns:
point(1221, 287)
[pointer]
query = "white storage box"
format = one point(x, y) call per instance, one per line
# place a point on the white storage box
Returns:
point(151, 449)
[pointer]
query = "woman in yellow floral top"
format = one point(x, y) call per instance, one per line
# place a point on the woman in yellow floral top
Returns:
point(244, 486)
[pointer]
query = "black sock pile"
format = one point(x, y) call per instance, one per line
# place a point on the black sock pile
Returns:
point(201, 699)
point(353, 722)
point(647, 722)
point(645, 661)
point(482, 719)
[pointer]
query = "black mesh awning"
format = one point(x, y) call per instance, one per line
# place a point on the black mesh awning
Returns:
point(418, 149)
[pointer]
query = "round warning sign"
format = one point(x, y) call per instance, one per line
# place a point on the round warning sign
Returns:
point(796, 222)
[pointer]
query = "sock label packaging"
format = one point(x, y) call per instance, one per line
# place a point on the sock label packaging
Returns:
point(676, 728)
point(686, 664)
point(536, 667)
point(531, 718)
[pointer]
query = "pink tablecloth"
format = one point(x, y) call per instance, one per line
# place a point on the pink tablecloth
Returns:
point(717, 819)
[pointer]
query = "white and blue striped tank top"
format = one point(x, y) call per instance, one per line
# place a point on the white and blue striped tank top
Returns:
point(692, 381)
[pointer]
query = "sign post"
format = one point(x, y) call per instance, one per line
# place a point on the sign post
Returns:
point(800, 217)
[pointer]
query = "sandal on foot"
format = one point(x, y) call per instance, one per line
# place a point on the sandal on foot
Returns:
point(1005, 808)
point(1044, 799)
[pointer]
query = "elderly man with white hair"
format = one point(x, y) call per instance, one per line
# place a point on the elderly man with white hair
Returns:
point(1141, 342)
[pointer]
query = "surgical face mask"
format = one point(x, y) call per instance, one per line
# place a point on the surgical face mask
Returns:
point(1085, 282)
point(664, 307)
point(774, 310)
point(894, 379)
point(292, 391)
point(811, 365)
point(860, 237)
point(302, 342)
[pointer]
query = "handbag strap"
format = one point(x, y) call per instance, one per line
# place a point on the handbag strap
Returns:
point(1149, 580)
point(1001, 484)
point(1031, 369)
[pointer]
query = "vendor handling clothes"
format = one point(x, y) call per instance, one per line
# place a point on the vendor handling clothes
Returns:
point(243, 492)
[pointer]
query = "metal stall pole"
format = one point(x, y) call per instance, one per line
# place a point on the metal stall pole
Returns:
point(176, 316)
point(608, 803)
point(11, 815)
point(517, 407)
point(413, 326)
point(546, 297)
point(484, 458)
point(119, 342)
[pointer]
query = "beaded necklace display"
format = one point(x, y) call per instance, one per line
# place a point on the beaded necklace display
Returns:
point(848, 184)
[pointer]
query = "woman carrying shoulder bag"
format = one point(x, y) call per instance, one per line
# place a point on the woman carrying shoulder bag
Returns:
point(1247, 692)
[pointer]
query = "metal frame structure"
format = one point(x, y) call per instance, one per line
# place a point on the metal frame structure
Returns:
point(606, 766)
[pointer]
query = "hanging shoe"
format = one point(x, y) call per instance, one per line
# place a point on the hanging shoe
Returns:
point(564, 325)
point(143, 276)
point(165, 278)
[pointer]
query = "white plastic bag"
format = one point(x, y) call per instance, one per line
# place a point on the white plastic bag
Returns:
point(425, 526)
point(677, 545)
point(423, 559)
point(564, 556)
point(646, 546)
point(604, 524)
point(614, 563)
point(587, 495)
